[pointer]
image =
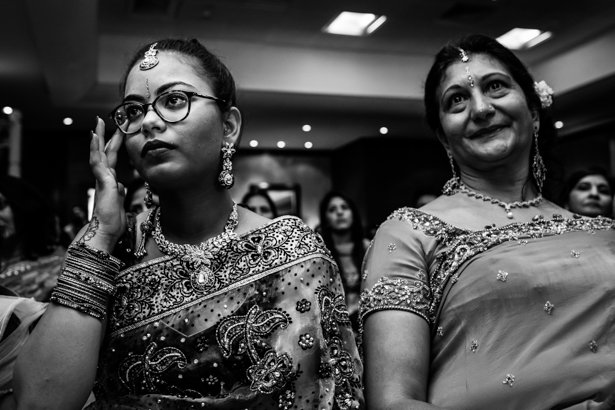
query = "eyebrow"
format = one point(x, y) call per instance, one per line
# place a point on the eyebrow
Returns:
point(159, 91)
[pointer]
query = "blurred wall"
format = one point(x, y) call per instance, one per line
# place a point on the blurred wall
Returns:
point(311, 171)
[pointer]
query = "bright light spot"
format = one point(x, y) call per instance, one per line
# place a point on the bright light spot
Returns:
point(263, 185)
point(558, 124)
point(281, 144)
point(254, 143)
point(384, 130)
point(354, 24)
point(308, 145)
point(523, 38)
point(7, 110)
point(306, 128)
point(68, 121)
point(374, 26)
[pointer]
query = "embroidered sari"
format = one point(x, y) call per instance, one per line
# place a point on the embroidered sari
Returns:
point(269, 330)
point(521, 317)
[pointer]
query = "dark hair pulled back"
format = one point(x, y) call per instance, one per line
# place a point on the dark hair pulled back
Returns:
point(205, 63)
point(480, 44)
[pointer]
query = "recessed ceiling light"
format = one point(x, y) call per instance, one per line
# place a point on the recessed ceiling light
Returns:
point(523, 38)
point(281, 144)
point(306, 128)
point(68, 121)
point(384, 130)
point(559, 124)
point(7, 110)
point(308, 145)
point(349, 23)
point(254, 143)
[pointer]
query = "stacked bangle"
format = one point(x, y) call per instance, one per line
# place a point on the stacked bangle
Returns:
point(87, 281)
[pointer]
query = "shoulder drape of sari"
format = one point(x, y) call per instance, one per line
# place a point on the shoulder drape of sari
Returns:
point(269, 330)
point(521, 316)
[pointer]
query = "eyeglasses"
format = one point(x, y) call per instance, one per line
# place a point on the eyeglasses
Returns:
point(172, 106)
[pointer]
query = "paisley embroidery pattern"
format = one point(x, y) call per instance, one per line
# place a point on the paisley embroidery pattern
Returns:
point(461, 246)
point(142, 373)
point(162, 286)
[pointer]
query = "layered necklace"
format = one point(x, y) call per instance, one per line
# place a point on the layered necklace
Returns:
point(197, 259)
point(507, 206)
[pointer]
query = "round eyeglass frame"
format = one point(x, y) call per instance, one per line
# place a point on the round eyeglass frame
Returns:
point(189, 94)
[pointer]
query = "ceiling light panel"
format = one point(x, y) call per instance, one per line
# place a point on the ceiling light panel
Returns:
point(349, 23)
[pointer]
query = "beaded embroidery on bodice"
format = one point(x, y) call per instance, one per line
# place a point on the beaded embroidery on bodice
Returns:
point(460, 245)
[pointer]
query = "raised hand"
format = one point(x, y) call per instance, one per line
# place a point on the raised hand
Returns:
point(109, 219)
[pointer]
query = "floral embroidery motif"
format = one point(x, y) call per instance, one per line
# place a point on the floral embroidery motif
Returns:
point(142, 373)
point(509, 380)
point(440, 331)
point(424, 298)
point(334, 310)
point(391, 247)
point(202, 344)
point(593, 346)
point(575, 254)
point(306, 341)
point(474, 346)
point(287, 399)
point(271, 373)
point(502, 275)
point(549, 307)
point(304, 305)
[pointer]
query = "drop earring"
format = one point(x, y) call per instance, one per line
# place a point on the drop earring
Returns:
point(226, 177)
point(452, 185)
point(149, 199)
point(539, 170)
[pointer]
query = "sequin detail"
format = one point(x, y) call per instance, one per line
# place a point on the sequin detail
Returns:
point(574, 254)
point(509, 380)
point(402, 294)
point(549, 307)
point(593, 346)
point(391, 247)
point(440, 331)
point(474, 346)
point(502, 276)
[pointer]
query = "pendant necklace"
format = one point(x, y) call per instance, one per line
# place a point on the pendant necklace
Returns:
point(507, 206)
point(198, 258)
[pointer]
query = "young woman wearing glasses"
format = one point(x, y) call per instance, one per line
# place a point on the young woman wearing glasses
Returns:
point(196, 303)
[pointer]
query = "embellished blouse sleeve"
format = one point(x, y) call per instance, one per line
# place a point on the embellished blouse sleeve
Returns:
point(396, 270)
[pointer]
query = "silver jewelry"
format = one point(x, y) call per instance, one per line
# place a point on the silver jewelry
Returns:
point(452, 185)
point(198, 258)
point(507, 206)
point(148, 200)
point(149, 59)
point(147, 93)
point(226, 177)
point(470, 79)
point(463, 55)
point(539, 170)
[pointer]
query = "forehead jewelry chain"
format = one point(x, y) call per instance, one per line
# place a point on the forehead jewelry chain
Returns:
point(470, 79)
point(507, 206)
point(198, 258)
point(147, 94)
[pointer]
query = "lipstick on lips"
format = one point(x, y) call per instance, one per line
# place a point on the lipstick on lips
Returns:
point(154, 144)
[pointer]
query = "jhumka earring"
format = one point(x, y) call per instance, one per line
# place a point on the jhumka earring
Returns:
point(148, 200)
point(538, 166)
point(452, 185)
point(226, 177)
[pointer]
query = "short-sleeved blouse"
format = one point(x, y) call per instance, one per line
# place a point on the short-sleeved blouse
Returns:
point(521, 316)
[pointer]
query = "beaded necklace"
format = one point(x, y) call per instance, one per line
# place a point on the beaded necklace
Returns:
point(197, 259)
point(507, 206)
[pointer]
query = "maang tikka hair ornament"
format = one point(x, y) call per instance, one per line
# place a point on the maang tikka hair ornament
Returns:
point(226, 177)
point(149, 59)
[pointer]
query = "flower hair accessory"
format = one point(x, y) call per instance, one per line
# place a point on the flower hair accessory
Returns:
point(545, 93)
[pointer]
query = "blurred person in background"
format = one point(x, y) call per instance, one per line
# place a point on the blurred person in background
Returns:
point(77, 220)
point(342, 230)
point(589, 192)
point(258, 201)
point(30, 255)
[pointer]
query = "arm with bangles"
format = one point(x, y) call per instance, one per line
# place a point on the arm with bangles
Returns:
point(56, 368)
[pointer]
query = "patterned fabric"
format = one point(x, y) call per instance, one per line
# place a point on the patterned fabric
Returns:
point(34, 278)
point(270, 331)
point(521, 316)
